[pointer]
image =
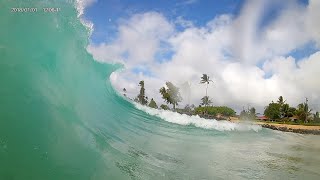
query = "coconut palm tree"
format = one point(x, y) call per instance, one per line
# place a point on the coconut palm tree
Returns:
point(171, 94)
point(281, 101)
point(206, 101)
point(205, 79)
point(304, 111)
point(124, 91)
point(141, 96)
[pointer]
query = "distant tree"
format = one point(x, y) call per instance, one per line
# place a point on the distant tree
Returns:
point(206, 101)
point(187, 108)
point(304, 111)
point(252, 113)
point(153, 104)
point(273, 111)
point(205, 79)
point(244, 115)
point(316, 117)
point(283, 107)
point(248, 115)
point(171, 94)
point(214, 110)
point(124, 91)
point(292, 112)
point(142, 99)
point(281, 101)
point(285, 110)
point(164, 107)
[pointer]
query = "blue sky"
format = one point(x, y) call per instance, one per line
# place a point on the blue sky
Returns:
point(106, 14)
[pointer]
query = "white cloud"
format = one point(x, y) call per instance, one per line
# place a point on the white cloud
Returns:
point(183, 22)
point(227, 48)
point(189, 2)
point(313, 20)
point(139, 38)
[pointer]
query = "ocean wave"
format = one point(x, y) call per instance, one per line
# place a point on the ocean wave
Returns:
point(80, 5)
point(197, 121)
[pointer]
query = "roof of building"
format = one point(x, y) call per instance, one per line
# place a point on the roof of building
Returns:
point(262, 117)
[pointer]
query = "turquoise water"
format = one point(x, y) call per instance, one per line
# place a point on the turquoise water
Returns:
point(60, 118)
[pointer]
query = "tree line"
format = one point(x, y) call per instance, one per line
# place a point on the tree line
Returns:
point(276, 111)
point(170, 93)
point(282, 111)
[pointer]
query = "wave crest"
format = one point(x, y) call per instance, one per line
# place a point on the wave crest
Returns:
point(197, 121)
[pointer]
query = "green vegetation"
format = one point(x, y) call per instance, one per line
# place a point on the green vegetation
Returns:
point(205, 79)
point(153, 104)
point(206, 101)
point(273, 111)
point(141, 98)
point(215, 110)
point(171, 94)
point(278, 111)
point(282, 112)
point(304, 112)
point(164, 107)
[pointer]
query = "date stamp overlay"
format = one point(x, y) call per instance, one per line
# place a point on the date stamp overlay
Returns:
point(34, 10)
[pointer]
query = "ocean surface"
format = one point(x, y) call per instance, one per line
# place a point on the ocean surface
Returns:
point(60, 117)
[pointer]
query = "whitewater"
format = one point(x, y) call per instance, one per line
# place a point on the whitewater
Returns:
point(60, 117)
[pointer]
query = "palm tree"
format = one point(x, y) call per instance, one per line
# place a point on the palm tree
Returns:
point(283, 107)
point(304, 111)
point(171, 95)
point(285, 110)
point(206, 101)
point(124, 92)
point(316, 117)
point(141, 96)
point(281, 101)
point(205, 79)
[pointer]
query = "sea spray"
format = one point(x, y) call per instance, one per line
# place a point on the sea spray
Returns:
point(197, 121)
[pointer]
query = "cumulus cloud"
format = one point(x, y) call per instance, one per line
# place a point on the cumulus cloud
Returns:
point(312, 20)
point(248, 63)
point(139, 39)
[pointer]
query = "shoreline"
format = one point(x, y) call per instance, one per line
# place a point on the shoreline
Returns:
point(301, 129)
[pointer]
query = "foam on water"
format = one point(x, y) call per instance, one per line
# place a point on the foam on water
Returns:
point(80, 5)
point(197, 121)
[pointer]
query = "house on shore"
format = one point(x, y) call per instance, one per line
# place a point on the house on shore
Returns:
point(262, 118)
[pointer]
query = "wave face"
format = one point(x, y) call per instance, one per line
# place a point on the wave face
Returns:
point(60, 118)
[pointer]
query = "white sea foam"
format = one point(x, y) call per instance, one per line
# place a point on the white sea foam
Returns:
point(80, 6)
point(197, 121)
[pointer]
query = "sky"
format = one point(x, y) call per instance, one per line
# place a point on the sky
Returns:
point(253, 50)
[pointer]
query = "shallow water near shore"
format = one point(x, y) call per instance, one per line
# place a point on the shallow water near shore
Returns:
point(60, 118)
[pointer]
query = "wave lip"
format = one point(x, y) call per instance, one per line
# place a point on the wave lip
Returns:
point(197, 121)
